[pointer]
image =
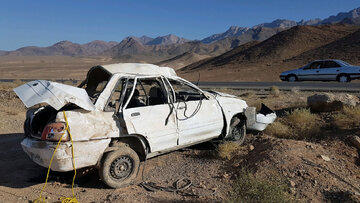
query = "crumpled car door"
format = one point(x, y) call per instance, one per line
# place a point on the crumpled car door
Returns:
point(156, 123)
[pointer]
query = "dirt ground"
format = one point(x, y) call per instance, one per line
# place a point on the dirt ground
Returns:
point(310, 178)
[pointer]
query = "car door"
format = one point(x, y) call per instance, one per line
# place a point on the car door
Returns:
point(329, 70)
point(199, 117)
point(146, 111)
point(310, 72)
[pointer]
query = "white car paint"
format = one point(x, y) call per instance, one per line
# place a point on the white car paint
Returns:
point(55, 94)
point(160, 128)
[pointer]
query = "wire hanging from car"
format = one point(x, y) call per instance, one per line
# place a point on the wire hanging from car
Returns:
point(72, 199)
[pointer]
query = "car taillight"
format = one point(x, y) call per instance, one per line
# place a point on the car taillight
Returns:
point(54, 132)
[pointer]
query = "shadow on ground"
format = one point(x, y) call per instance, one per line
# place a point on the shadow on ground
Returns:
point(19, 171)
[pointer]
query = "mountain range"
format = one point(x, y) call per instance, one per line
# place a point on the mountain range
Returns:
point(65, 48)
point(289, 49)
point(164, 49)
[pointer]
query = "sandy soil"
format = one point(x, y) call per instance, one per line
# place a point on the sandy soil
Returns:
point(314, 180)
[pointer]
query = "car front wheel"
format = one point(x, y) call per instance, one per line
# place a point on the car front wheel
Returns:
point(119, 168)
point(237, 130)
point(344, 78)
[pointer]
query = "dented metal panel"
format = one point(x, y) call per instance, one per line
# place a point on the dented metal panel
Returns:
point(55, 94)
point(86, 153)
point(262, 121)
point(86, 125)
point(206, 123)
point(139, 69)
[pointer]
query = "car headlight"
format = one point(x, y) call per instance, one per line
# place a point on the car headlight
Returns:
point(54, 132)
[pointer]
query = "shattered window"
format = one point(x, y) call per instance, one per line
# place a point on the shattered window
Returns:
point(115, 96)
point(185, 92)
point(148, 92)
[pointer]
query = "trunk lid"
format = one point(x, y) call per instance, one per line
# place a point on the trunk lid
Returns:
point(54, 94)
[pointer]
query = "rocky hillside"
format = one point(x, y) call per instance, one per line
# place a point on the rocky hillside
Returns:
point(166, 40)
point(282, 46)
point(232, 31)
point(346, 48)
point(286, 24)
point(182, 60)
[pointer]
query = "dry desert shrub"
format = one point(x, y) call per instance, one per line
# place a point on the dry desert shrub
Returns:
point(348, 118)
point(278, 129)
point(275, 91)
point(250, 188)
point(295, 90)
point(298, 124)
point(228, 150)
point(304, 123)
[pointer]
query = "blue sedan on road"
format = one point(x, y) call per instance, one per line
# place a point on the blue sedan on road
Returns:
point(323, 70)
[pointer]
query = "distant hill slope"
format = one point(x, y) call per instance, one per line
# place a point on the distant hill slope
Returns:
point(232, 31)
point(3, 53)
point(341, 16)
point(131, 50)
point(65, 48)
point(285, 24)
point(280, 47)
point(210, 60)
point(346, 48)
point(182, 60)
point(166, 40)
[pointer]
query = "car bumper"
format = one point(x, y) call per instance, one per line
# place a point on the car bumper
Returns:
point(282, 77)
point(260, 120)
point(86, 153)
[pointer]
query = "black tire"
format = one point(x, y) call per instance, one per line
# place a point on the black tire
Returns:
point(237, 130)
point(343, 78)
point(119, 168)
point(291, 78)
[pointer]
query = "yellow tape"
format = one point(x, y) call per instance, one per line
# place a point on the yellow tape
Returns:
point(72, 199)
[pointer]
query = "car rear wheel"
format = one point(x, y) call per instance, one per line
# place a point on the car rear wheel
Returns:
point(237, 130)
point(119, 168)
point(291, 78)
point(344, 78)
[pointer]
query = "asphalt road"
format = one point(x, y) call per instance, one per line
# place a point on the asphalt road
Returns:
point(304, 86)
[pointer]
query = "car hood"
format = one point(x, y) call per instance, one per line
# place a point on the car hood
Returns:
point(222, 94)
point(54, 94)
point(291, 71)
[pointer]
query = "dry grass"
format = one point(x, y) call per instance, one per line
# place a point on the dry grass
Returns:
point(278, 129)
point(304, 123)
point(348, 118)
point(250, 188)
point(275, 91)
point(295, 90)
point(228, 150)
point(298, 124)
point(10, 85)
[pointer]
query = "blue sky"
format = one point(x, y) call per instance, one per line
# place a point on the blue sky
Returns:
point(45, 22)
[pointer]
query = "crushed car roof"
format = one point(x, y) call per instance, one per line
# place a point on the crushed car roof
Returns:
point(138, 69)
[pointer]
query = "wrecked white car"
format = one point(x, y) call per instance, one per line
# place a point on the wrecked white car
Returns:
point(125, 113)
